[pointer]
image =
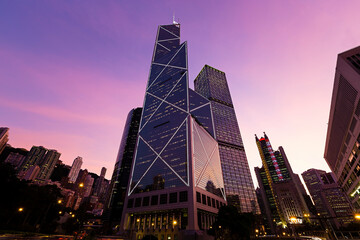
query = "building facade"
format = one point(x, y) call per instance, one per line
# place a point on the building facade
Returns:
point(330, 202)
point(47, 164)
point(342, 148)
point(75, 169)
point(176, 185)
point(4, 138)
point(44, 158)
point(239, 187)
point(120, 178)
point(280, 188)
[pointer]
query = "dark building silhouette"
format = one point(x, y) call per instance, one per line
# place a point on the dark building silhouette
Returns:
point(121, 174)
point(239, 187)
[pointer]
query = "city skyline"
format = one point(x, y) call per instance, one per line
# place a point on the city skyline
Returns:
point(72, 72)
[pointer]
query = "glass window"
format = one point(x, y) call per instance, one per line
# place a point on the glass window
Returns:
point(184, 196)
point(163, 199)
point(154, 200)
point(173, 197)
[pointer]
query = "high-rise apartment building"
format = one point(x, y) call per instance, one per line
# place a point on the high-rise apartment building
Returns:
point(89, 181)
point(342, 148)
point(75, 169)
point(120, 178)
point(42, 157)
point(176, 185)
point(4, 138)
point(98, 187)
point(212, 84)
point(330, 202)
point(34, 157)
point(279, 187)
point(48, 163)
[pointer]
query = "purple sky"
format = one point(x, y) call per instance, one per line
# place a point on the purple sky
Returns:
point(70, 71)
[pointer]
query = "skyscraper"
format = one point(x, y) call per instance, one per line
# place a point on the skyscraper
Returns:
point(75, 169)
point(4, 138)
point(280, 187)
point(342, 146)
point(47, 164)
point(34, 157)
point(42, 157)
point(99, 183)
point(121, 174)
point(176, 185)
point(212, 84)
point(330, 202)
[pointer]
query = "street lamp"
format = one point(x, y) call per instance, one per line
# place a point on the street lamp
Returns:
point(357, 216)
point(20, 209)
point(59, 201)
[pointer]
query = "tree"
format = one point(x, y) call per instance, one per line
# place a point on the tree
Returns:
point(27, 207)
point(231, 225)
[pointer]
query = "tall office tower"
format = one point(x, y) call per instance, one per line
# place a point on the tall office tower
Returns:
point(176, 185)
point(4, 138)
point(330, 201)
point(239, 187)
point(75, 169)
point(279, 185)
point(103, 172)
point(89, 181)
point(343, 135)
point(34, 157)
point(120, 178)
point(47, 164)
point(98, 187)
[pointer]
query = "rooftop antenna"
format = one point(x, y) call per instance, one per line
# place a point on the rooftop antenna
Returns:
point(174, 22)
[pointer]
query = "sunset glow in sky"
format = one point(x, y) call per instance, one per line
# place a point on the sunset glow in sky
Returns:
point(70, 71)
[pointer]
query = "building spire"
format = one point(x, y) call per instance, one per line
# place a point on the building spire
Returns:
point(174, 22)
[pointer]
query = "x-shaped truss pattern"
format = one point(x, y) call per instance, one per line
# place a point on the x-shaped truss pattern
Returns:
point(167, 91)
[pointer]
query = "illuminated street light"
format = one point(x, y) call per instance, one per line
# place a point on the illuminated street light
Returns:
point(73, 215)
point(20, 209)
point(357, 216)
point(138, 220)
point(81, 185)
point(60, 212)
point(174, 222)
point(59, 201)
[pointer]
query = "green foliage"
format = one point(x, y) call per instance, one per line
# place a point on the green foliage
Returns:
point(231, 225)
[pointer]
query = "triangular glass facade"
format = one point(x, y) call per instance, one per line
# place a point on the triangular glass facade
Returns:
point(170, 110)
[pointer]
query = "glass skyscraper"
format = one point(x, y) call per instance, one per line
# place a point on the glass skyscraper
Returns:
point(120, 178)
point(176, 185)
point(212, 84)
